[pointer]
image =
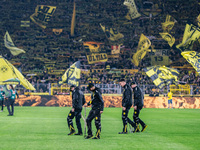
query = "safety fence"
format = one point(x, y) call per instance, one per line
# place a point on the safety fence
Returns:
point(148, 90)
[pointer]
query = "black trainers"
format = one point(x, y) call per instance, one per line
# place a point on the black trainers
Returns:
point(143, 128)
point(96, 137)
point(9, 115)
point(78, 134)
point(72, 132)
point(89, 136)
point(122, 132)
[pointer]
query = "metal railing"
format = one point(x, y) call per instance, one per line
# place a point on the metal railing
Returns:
point(151, 90)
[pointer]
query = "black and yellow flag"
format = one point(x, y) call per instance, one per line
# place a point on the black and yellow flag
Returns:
point(168, 24)
point(162, 75)
point(191, 34)
point(133, 12)
point(111, 33)
point(193, 58)
point(42, 15)
point(72, 75)
point(198, 20)
point(11, 75)
point(169, 38)
point(142, 49)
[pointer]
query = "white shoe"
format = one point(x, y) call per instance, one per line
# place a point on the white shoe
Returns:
point(1, 111)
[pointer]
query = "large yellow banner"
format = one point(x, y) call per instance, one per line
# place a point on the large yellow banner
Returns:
point(98, 57)
point(43, 15)
point(132, 9)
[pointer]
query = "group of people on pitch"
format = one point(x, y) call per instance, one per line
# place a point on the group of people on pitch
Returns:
point(9, 100)
point(97, 104)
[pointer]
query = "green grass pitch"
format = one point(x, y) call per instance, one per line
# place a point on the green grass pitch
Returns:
point(45, 128)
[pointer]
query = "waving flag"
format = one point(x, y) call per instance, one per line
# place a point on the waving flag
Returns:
point(11, 46)
point(10, 75)
point(162, 75)
point(72, 75)
point(193, 58)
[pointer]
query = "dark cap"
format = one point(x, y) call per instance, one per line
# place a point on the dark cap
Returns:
point(132, 83)
point(90, 85)
point(122, 80)
point(72, 87)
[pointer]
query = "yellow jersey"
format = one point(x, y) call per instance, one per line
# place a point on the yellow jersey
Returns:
point(170, 95)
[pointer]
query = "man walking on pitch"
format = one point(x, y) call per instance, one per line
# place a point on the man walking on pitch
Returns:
point(2, 96)
point(78, 100)
point(138, 104)
point(96, 111)
point(126, 104)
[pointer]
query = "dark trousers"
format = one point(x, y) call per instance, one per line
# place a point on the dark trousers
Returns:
point(1, 105)
point(71, 115)
point(94, 114)
point(10, 103)
point(126, 120)
point(136, 118)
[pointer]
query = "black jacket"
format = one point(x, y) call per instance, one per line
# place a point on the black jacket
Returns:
point(97, 100)
point(78, 98)
point(127, 97)
point(138, 97)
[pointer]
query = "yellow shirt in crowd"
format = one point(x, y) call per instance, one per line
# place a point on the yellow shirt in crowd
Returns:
point(170, 95)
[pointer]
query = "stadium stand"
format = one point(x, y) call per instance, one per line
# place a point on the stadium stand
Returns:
point(50, 51)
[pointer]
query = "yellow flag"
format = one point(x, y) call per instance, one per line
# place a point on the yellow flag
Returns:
point(72, 75)
point(132, 9)
point(10, 45)
point(144, 43)
point(73, 19)
point(168, 24)
point(193, 58)
point(9, 74)
point(42, 15)
point(138, 56)
point(167, 37)
point(142, 49)
point(191, 34)
point(112, 33)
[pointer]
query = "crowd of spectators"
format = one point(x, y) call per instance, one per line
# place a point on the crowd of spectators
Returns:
point(48, 54)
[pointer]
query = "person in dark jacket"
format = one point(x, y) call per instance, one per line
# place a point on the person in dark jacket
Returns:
point(11, 100)
point(96, 111)
point(138, 104)
point(126, 105)
point(2, 96)
point(78, 100)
